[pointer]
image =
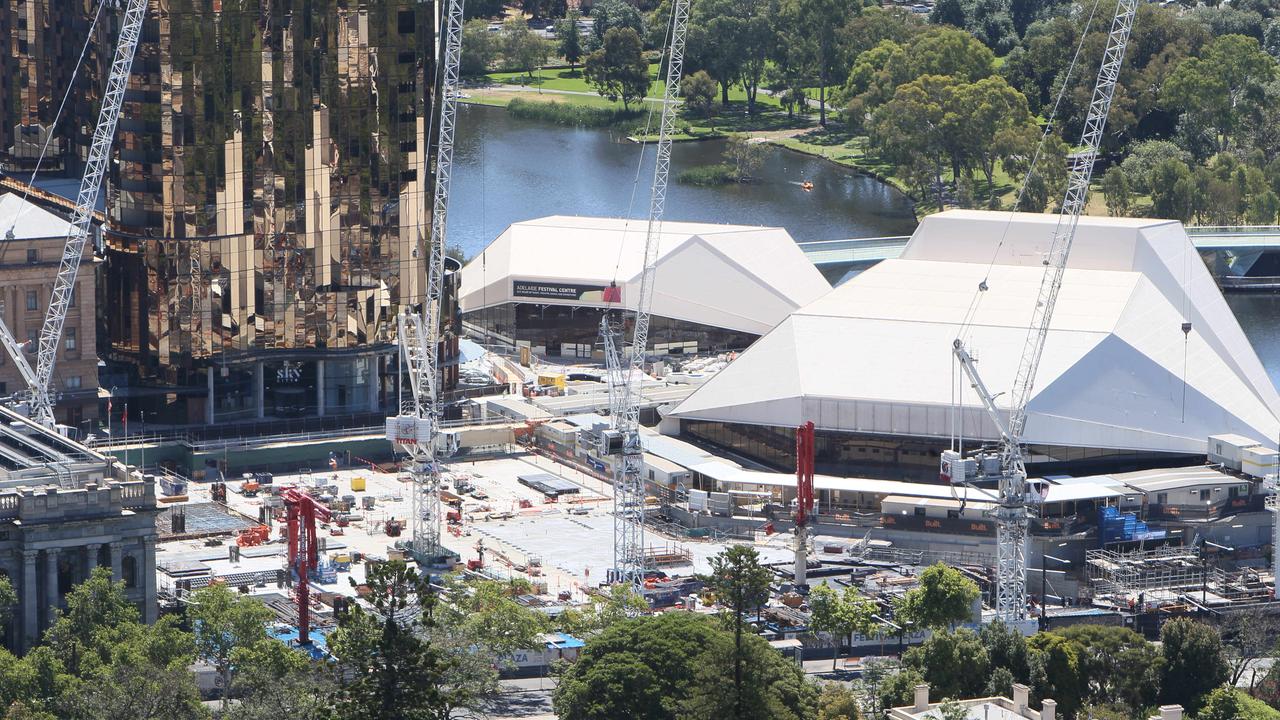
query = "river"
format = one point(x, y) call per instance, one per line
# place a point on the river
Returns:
point(507, 170)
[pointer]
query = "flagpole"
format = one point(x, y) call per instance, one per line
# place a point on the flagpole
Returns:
point(110, 440)
point(125, 421)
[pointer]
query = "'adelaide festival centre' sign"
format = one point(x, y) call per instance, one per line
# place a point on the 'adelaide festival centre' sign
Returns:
point(546, 290)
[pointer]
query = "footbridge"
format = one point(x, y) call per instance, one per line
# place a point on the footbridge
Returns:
point(1240, 257)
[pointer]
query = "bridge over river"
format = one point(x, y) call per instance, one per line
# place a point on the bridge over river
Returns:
point(1241, 257)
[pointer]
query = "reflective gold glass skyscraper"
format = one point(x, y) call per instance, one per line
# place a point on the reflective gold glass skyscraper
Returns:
point(268, 214)
point(42, 39)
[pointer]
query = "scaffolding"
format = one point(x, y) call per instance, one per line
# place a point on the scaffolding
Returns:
point(1170, 576)
point(1164, 568)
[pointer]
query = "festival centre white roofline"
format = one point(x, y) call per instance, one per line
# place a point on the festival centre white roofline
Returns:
point(735, 277)
point(874, 355)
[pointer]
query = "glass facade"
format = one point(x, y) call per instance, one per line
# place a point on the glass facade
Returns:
point(898, 458)
point(554, 326)
point(43, 39)
point(272, 194)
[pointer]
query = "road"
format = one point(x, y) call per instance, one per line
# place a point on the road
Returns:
point(524, 699)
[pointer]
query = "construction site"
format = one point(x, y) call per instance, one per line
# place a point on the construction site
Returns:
point(672, 389)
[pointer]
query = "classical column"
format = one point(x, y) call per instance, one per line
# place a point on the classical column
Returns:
point(90, 558)
point(117, 562)
point(30, 602)
point(51, 584)
point(148, 584)
point(320, 388)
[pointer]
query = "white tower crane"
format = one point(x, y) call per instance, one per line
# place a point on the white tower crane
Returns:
point(1007, 464)
point(623, 439)
point(39, 380)
point(417, 428)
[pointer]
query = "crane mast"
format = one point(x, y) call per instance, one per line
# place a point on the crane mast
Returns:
point(418, 426)
point(623, 439)
point(1008, 464)
point(39, 380)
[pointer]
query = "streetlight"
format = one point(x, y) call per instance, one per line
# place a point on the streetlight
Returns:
point(1044, 572)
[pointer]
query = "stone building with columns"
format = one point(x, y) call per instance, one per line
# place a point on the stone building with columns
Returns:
point(65, 510)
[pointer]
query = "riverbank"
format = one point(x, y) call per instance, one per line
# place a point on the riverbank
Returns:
point(510, 170)
point(799, 132)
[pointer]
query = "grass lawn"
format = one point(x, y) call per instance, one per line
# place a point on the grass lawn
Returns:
point(563, 80)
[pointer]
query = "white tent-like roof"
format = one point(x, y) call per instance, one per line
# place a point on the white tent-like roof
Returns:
point(874, 355)
point(735, 277)
point(29, 221)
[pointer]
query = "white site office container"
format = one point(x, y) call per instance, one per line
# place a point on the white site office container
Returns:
point(1226, 449)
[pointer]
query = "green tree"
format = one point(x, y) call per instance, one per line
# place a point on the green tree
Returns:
point(898, 689)
point(618, 70)
point(1221, 704)
point(1271, 38)
point(841, 614)
point(1006, 648)
point(569, 43)
point(1117, 665)
point(826, 616)
point(1194, 662)
point(1172, 190)
point(950, 710)
point(277, 681)
point(746, 157)
point(948, 12)
point(621, 602)
point(8, 601)
point(955, 664)
point(608, 15)
point(947, 51)
point(989, 112)
point(773, 687)
point(395, 673)
point(1115, 186)
point(1143, 157)
point(479, 49)
point(641, 668)
point(911, 131)
point(1263, 208)
point(838, 702)
point(521, 48)
point(741, 584)
point(1216, 90)
point(1055, 671)
point(699, 93)
point(944, 598)
point(130, 691)
point(813, 30)
point(488, 613)
point(715, 42)
point(225, 620)
point(100, 662)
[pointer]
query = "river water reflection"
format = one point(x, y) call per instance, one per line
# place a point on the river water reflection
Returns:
point(507, 170)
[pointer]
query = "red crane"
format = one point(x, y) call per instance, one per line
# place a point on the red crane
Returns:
point(304, 551)
point(804, 497)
